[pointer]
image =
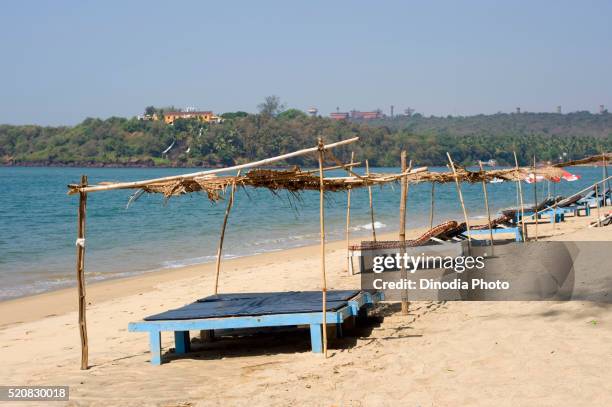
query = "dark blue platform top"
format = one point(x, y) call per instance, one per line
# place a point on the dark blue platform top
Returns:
point(254, 304)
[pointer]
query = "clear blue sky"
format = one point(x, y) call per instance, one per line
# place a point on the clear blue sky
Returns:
point(63, 61)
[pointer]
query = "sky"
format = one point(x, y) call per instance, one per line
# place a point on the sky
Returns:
point(63, 61)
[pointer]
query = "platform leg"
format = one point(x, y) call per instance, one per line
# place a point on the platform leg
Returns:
point(155, 346)
point(339, 333)
point(181, 342)
point(316, 341)
point(518, 236)
point(362, 316)
point(350, 263)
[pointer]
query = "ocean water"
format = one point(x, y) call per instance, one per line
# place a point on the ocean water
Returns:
point(38, 222)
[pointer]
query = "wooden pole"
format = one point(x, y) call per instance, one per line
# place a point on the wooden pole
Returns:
point(335, 167)
point(371, 206)
point(535, 197)
point(598, 205)
point(402, 231)
point(80, 271)
point(322, 223)
point(520, 193)
point(486, 200)
point(260, 163)
point(431, 210)
point(604, 171)
point(230, 203)
point(348, 222)
point(465, 214)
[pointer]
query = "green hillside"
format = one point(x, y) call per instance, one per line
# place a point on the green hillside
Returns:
point(241, 138)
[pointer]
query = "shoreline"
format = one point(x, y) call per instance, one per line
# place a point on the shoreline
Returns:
point(59, 301)
point(26, 308)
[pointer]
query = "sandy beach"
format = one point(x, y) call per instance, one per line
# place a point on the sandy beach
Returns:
point(442, 354)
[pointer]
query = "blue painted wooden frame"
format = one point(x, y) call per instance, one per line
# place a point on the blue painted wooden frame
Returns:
point(559, 215)
point(518, 233)
point(181, 328)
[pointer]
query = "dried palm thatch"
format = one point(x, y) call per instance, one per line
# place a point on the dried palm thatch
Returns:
point(594, 159)
point(295, 180)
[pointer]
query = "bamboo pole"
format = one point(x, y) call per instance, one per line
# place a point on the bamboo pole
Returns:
point(402, 231)
point(604, 171)
point(431, 210)
point(348, 222)
point(230, 203)
point(371, 206)
point(80, 271)
point(520, 193)
point(335, 167)
point(465, 214)
point(267, 161)
point(598, 205)
point(322, 223)
point(486, 200)
point(535, 197)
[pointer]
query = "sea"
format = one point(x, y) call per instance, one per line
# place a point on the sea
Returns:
point(38, 221)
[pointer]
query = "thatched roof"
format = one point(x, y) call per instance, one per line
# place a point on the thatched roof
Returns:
point(594, 159)
point(296, 180)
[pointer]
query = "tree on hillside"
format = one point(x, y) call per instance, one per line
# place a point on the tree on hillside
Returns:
point(291, 114)
point(271, 106)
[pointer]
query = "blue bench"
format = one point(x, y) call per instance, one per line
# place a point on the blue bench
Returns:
point(516, 231)
point(354, 306)
point(555, 215)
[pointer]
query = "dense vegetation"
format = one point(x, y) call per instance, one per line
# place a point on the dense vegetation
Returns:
point(244, 137)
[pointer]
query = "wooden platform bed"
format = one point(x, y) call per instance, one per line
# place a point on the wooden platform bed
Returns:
point(255, 310)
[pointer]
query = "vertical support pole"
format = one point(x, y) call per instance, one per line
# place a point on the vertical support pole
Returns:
point(348, 223)
point(431, 210)
point(155, 347)
point(181, 342)
point(535, 197)
point(465, 214)
point(598, 204)
point(371, 206)
point(230, 203)
point(520, 193)
point(322, 224)
point(486, 199)
point(80, 271)
point(604, 174)
point(402, 230)
point(315, 338)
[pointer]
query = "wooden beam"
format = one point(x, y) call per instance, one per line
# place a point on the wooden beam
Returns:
point(267, 161)
point(322, 225)
point(486, 200)
point(431, 210)
point(402, 231)
point(230, 203)
point(80, 271)
point(348, 222)
point(465, 214)
point(520, 193)
point(535, 197)
point(371, 205)
point(335, 167)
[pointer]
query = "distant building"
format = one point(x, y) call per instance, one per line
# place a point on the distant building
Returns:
point(339, 116)
point(313, 111)
point(377, 114)
point(204, 116)
point(152, 117)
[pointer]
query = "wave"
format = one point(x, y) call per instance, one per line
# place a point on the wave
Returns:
point(368, 226)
